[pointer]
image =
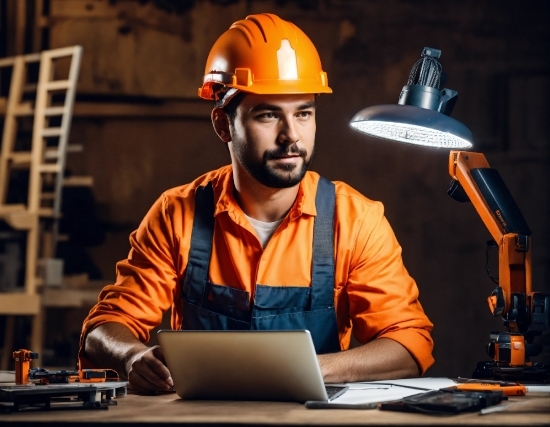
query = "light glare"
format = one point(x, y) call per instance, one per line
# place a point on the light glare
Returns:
point(411, 134)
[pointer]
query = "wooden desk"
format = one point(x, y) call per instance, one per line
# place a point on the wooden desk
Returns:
point(168, 410)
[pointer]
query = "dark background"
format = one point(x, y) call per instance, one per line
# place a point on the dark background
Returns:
point(144, 130)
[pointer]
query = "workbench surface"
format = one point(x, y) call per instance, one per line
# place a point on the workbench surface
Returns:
point(169, 410)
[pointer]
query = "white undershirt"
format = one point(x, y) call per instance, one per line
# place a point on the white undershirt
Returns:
point(264, 230)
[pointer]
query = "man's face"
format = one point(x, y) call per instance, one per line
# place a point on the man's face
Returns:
point(273, 137)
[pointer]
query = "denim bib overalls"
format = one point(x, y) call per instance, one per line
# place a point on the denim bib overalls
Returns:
point(207, 306)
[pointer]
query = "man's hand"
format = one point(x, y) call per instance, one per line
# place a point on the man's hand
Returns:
point(114, 346)
point(380, 359)
point(147, 371)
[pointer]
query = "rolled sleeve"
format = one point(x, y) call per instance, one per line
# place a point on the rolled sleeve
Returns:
point(383, 297)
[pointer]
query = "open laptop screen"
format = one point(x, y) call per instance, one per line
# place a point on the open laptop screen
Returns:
point(243, 365)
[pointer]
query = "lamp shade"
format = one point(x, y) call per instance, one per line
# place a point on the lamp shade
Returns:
point(412, 125)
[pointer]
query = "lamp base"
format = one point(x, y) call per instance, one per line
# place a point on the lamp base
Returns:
point(489, 370)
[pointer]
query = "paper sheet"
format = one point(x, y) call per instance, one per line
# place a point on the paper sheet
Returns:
point(7, 376)
point(384, 391)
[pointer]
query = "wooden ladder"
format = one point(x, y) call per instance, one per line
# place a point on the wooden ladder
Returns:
point(44, 160)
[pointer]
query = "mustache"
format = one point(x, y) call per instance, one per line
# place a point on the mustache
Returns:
point(285, 151)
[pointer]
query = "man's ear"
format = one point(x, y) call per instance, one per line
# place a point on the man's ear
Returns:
point(220, 121)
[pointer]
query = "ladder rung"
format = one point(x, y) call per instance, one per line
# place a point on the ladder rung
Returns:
point(10, 208)
point(75, 148)
point(45, 212)
point(7, 62)
point(57, 85)
point(78, 181)
point(47, 196)
point(62, 52)
point(52, 132)
point(24, 109)
point(32, 57)
point(30, 87)
point(50, 168)
point(20, 157)
point(51, 153)
point(54, 111)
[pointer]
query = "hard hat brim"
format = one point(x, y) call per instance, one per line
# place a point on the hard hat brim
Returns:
point(273, 88)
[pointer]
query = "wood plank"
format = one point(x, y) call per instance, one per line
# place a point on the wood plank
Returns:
point(78, 181)
point(46, 212)
point(7, 62)
point(49, 168)
point(47, 196)
point(22, 220)
point(74, 148)
point(20, 21)
point(53, 152)
point(67, 298)
point(51, 132)
point(24, 109)
point(19, 303)
point(30, 87)
point(57, 85)
point(40, 22)
point(12, 208)
point(10, 124)
point(55, 111)
point(20, 158)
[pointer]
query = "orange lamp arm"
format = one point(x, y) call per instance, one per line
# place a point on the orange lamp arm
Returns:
point(460, 165)
point(514, 256)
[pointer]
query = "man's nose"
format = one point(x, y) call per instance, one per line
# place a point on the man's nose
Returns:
point(288, 133)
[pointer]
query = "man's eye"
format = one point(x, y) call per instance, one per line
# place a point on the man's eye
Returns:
point(267, 116)
point(304, 114)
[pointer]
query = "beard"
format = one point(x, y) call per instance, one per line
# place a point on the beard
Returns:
point(280, 176)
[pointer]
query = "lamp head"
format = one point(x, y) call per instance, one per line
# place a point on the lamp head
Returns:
point(421, 116)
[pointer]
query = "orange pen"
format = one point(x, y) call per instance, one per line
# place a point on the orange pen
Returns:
point(508, 388)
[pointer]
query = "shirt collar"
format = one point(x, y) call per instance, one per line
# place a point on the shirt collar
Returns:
point(225, 200)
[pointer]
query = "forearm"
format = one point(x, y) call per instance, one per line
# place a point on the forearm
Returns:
point(112, 345)
point(379, 359)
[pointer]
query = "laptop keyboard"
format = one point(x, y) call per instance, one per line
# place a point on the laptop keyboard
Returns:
point(333, 391)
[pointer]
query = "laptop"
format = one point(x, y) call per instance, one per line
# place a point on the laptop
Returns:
point(245, 365)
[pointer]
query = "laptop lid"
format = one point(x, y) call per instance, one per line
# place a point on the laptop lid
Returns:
point(243, 365)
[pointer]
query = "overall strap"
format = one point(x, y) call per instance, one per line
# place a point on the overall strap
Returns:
point(322, 275)
point(201, 244)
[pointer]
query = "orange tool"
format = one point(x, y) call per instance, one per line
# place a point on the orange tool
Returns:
point(43, 376)
point(22, 365)
point(508, 388)
point(95, 376)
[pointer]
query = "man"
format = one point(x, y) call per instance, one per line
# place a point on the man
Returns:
point(263, 243)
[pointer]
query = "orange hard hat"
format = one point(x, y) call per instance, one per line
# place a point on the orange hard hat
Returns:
point(265, 55)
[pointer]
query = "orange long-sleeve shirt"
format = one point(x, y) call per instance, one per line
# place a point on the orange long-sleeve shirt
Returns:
point(373, 292)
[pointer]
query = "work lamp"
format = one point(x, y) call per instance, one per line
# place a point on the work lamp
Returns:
point(421, 116)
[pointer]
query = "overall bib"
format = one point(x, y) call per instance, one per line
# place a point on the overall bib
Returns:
point(207, 306)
